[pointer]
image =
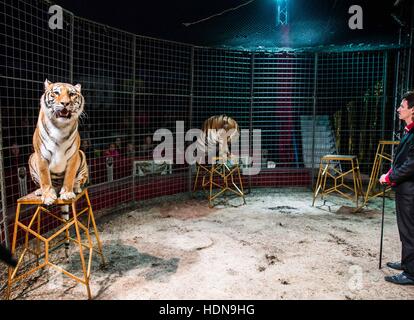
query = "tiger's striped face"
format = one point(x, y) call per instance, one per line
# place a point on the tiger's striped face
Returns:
point(62, 102)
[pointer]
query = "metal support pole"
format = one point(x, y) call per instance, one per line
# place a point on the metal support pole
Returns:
point(251, 113)
point(190, 174)
point(3, 216)
point(384, 94)
point(72, 34)
point(396, 94)
point(315, 84)
point(410, 50)
point(3, 221)
point(134, 55)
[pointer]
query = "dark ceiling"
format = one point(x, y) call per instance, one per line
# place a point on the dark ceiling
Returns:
point(250, 24)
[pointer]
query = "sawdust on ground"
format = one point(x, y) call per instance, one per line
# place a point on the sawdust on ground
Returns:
point(276, 247)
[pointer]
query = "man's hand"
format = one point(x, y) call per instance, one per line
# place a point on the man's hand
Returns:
point(382, 179)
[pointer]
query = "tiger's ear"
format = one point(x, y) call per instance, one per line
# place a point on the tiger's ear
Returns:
point(47, 84)
point(78, 87)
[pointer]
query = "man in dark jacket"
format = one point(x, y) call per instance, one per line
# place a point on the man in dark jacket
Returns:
point(401, 177)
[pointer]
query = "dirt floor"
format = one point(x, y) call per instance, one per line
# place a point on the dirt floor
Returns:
point(276, 247)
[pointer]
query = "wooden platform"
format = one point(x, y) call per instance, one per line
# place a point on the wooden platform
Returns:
point(31, 198)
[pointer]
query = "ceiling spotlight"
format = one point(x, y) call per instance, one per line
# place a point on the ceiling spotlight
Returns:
point(282, 12)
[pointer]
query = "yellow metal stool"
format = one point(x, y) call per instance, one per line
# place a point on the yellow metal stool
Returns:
point(373, 179)
point(204, 170)
point(222, 171)
point(33, 228)
point(327, 170)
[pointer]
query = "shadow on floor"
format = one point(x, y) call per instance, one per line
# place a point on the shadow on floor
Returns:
point(121, 258)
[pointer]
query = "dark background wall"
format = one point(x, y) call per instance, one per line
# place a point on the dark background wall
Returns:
point(312, 22)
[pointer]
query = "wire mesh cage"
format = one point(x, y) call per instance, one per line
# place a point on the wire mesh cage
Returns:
point(283, 88)
point(107, 83)
point(351, 94)
point(222, 86)
point(306, 104)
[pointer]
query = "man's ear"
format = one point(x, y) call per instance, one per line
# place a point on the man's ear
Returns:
point(47, 84)
point(78, 87)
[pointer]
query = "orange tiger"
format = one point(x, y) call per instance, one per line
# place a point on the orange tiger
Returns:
point(215, 130)
point(57, 161)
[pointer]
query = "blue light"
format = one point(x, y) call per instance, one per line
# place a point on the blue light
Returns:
point(282, 12)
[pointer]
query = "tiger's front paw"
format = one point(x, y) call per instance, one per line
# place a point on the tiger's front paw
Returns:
point(49, 196)
point(66, 195)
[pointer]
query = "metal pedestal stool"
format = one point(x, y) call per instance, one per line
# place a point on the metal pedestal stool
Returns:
point(327, 170)
point(220, 175)
point(376, 168)
point(34, 227)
